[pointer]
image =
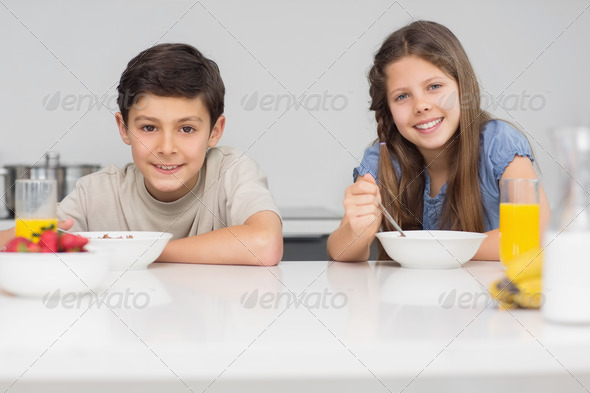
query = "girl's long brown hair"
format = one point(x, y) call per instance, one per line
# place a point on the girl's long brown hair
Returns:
point(462, 208)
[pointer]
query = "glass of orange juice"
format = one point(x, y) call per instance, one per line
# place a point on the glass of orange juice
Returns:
point(35, 207)
point(519, 218)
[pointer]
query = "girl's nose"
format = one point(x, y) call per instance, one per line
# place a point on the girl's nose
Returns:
point(422, 105)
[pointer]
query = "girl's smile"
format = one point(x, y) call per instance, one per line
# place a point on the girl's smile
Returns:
point(422, 101)
point(428, 126)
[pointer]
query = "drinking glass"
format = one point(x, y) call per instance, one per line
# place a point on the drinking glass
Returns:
point(566, 265)
point(519, 218)
point(35, 207)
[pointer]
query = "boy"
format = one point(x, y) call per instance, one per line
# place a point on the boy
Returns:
point(214, 200)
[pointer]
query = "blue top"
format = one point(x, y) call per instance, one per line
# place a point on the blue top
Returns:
point(499, 143)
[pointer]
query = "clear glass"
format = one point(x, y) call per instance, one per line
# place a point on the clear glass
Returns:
point(566, 264)
point(519, 218)
point(35, 207)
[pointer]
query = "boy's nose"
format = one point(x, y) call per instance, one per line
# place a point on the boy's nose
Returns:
point(166, 143)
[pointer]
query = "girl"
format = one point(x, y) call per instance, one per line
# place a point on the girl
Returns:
point(440, 156)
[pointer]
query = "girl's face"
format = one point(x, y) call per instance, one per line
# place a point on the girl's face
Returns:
point(424, 102)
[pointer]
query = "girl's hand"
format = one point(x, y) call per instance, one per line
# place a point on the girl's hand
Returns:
point(361, 206)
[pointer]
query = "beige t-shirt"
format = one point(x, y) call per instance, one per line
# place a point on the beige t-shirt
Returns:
point(231, 187)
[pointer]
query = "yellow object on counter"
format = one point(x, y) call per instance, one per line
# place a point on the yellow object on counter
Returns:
point(522, 286)
point(525, 266)
point(31, 228)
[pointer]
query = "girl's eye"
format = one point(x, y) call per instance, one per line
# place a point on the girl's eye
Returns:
point(401, 97)
point(148, 128)
point(187, 129)
point(434, 86)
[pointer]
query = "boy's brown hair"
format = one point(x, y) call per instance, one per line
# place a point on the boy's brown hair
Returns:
point(172, 70)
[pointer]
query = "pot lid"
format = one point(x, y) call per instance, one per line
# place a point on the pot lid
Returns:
point(51, 161)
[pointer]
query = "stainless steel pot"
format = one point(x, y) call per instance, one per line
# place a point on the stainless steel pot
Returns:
point(50, 168)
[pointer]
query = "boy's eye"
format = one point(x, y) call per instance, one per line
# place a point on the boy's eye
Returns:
point(187, 129)
point(148, 128)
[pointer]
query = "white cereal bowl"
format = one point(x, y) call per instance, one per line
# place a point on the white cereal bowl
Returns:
point(36, 274)
point(130, 250)
point(431, 249)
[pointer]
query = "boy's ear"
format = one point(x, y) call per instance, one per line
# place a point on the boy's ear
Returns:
point(122, 128)
point(217, 131)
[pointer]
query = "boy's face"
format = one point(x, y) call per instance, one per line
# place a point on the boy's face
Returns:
point(169, 137)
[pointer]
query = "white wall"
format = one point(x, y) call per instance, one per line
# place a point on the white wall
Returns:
point(57, 55)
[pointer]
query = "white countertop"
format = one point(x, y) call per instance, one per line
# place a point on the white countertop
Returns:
point(357, 328)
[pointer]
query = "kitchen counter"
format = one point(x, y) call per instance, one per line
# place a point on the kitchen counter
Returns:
point(312, 326)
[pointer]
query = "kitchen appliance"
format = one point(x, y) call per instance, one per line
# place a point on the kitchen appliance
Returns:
point(50, 168)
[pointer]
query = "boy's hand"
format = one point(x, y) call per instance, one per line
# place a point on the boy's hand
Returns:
point(66, 224)
point(361, 206)
point(8, 234)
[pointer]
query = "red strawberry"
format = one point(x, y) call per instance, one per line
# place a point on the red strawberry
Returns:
point(18, 244)
point(48, 241)
point(33, 247)
point(69, 242)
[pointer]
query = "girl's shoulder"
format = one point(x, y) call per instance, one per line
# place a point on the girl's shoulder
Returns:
point(500, 142)
point(499, 133)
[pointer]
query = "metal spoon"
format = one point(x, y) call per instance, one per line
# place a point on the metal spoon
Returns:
point(391, 220)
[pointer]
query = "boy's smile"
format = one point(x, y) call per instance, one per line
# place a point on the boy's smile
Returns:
point(169, 138)
point(423, 101)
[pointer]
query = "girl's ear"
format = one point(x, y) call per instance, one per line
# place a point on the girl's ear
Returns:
point(216, 132)
point(123, 132)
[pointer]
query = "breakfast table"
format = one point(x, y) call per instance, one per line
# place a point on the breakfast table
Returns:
point(299, 326)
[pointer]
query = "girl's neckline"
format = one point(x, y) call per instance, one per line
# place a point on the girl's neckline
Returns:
point(441, 193)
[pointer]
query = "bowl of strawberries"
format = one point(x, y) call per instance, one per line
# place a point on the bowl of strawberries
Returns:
point(56, 262)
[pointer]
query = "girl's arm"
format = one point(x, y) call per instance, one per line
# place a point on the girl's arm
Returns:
point(351, 242)
point(519, 168)
point(490, 247)
point(259, 241)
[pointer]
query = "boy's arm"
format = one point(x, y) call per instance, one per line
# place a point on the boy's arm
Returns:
point(259, 241)
point(5, 236)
